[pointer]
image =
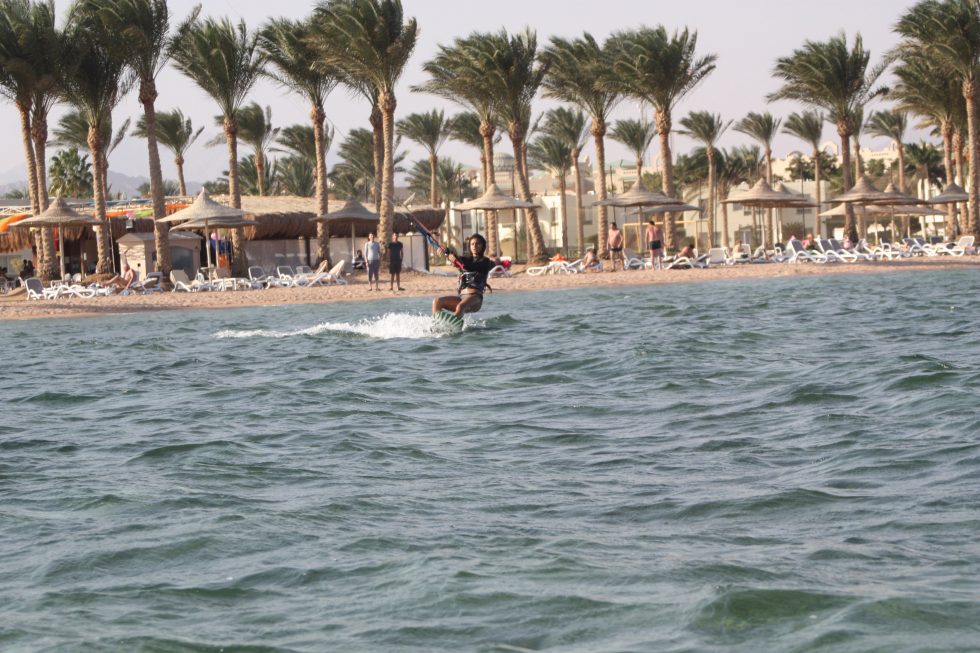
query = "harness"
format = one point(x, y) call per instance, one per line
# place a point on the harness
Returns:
point(472, 280)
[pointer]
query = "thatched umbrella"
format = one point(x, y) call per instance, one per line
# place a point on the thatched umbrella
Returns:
point(494, 200)
point(206, 212)
point(762, 195)
point(352, 214)
point(59, 214)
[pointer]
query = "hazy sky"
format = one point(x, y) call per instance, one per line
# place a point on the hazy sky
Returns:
point(747, 36)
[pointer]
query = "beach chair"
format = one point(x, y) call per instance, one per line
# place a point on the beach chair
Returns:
point(500, 271)
point(182, 284)
point(36, 290)
point(963, 246)
point(718, 256)
point(833, 255)
point(916, 247)
point(798, 254)
point(333, 275)
point(678, 263)
point(631, 261)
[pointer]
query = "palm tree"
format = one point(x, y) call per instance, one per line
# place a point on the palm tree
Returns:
point(300, 141)
point(661, 69)
point(295, 65)
point(176, 133)
point(554, 155)
point(71, 174)
point(430, 130)
point(356, 153)
point(808, 127)
point(31, 56)
point(464, 128)
point(295, 176)
point(763, 128)
point(223, 59)
point(95, 85)
point(733, 168)
point(707, 128)
point(891, 124)
point(936, 94)
point(836, 78)
point(636, 135)
point(453, 183)
point(253, 176)
point(456, 75)
point(72, 131)
point(571, 126)
point(858, 120)
point(515, 75)
point(577, 72)
point(143, 43)
point(255, 130)
point(948, 31)
point(371, 41)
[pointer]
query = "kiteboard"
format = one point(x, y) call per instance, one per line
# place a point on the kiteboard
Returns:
point(447, 321)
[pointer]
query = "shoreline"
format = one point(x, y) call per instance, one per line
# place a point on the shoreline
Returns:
point(14, 305)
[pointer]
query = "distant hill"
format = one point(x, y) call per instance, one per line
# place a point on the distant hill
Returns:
point(15, 178)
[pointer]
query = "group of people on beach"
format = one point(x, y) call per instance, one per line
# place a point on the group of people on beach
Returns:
point(655, 243)
point(370, 259)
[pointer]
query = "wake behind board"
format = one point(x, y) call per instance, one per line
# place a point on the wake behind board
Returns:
point(448, 322)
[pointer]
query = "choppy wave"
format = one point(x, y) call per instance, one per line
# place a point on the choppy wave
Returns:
point(411, 326)
point(788, 465)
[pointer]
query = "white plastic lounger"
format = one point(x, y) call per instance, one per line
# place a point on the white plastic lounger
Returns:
point(963, 246)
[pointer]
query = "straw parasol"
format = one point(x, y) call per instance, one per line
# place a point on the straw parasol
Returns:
point(762, 195)
point(206, 212)
point(863, 192)
point(494, 200)
point(952, 194)
point(59, 214)
point(665, 208)
point(352, 214)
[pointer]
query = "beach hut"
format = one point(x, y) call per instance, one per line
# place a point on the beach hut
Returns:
point(139, 250)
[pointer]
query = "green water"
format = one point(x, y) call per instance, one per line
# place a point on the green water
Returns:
point(787, 465)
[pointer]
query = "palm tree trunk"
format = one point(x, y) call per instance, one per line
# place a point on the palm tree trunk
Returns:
point(959, 159)
point(148, 95)
point(816, 176)
point(104, 264)
point(239, 260)
point(667, 165)
point(579, 226)
point(433, 173)
point(260, 171)
point(387, 105)
point(179, 162)
point(49, 268)
point(850, 229)
point(29, 159)
point(487, 130)
point(711, 197)
point(639, 171)
point(767, 233)
point(970, 94)
point(947, 132)
point(533, 226)
point(725, 239)
point(858, 165)
point(318, 117)
point(377, 131)
point(599, 134)
point(563, 207)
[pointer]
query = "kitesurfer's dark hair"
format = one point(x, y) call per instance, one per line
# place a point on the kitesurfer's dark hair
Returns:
point(480, 239)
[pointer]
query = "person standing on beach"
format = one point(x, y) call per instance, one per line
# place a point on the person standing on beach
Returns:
point(395, 262)
point(615, 240)
point(655, 239)
point(472, 280)
point(372, 253)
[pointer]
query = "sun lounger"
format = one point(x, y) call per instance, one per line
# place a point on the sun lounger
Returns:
point(963, 246)
point(183, 284)
point(333, 275)
point(796, 253)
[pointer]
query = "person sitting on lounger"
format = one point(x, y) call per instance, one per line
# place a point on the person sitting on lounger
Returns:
point(359, 263)
point(591, 262)
point(687, 252)
point(123, 281)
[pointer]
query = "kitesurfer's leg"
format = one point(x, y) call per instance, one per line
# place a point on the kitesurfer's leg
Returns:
point(449, 302)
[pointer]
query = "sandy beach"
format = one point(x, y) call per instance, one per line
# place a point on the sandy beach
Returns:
point(14, 305)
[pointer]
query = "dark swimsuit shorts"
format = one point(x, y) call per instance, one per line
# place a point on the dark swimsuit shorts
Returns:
point(656, 244)
point(615, 249)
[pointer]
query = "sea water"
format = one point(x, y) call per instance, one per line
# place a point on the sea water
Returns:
point(774, 465)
